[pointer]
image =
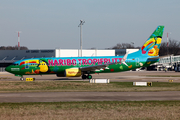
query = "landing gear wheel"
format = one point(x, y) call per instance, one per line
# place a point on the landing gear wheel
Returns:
point(83, 76)
point(21, 78)
point(89, 76)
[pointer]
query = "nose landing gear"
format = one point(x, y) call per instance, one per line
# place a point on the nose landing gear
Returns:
point(27, 79)
point(21, 78)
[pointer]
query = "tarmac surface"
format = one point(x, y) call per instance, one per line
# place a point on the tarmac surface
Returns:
point(130, 76)
point(88, 96)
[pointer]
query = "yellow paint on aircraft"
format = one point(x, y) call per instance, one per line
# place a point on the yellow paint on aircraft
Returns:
point(43, 67)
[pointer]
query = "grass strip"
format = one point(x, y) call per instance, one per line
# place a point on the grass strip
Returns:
point(105, 110)
point(81, 86)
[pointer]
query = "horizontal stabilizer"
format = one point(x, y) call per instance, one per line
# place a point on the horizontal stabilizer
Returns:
point(159, 57)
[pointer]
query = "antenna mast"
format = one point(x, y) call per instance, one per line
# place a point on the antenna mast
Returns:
point(18, 39)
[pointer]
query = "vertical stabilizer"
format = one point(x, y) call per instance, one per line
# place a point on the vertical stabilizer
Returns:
point(152, 45)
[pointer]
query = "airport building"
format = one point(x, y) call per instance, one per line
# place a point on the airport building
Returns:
point(170, 63)
point(7, 57)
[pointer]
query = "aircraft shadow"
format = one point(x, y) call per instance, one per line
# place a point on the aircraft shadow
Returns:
point(69, 79)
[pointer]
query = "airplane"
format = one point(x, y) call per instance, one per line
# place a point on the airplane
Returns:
point(85, 66)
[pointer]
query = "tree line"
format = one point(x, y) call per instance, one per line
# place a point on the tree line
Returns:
point(173, 47)
point(124, 46)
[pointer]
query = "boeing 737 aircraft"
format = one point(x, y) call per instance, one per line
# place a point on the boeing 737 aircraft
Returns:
point(85, 66)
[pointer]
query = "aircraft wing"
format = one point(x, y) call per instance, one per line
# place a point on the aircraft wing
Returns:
point(93, 68)
point(104, 66)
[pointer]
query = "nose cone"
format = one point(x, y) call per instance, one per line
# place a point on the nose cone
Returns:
point(8, 69)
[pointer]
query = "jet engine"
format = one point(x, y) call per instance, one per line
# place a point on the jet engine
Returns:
point(74, 72)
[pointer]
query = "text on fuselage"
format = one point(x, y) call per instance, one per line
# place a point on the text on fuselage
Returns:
point(89, 61)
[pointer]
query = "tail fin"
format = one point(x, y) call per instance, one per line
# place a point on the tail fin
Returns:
point(152, 45)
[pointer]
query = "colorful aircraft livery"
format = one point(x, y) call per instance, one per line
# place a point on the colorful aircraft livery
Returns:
point(89, 61)
point(85, 66)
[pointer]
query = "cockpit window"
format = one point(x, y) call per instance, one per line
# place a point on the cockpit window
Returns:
point(15, 64)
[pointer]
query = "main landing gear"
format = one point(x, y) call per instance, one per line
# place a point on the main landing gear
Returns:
point(21, 78)
point(27, 79)
point(86, 76)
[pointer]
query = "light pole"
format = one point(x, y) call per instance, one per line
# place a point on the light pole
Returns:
point(80, 25)
point(132, 43)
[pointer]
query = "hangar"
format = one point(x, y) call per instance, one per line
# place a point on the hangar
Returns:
point(7, 57)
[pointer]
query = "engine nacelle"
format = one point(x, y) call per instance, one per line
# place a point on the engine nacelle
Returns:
point(74, 72)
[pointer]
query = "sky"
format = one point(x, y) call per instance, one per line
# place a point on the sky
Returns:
point(50, 24)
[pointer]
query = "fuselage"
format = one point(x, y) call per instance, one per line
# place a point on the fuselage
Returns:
point(39, 66)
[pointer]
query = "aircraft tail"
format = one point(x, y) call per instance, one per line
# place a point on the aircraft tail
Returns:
point(152, 45)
